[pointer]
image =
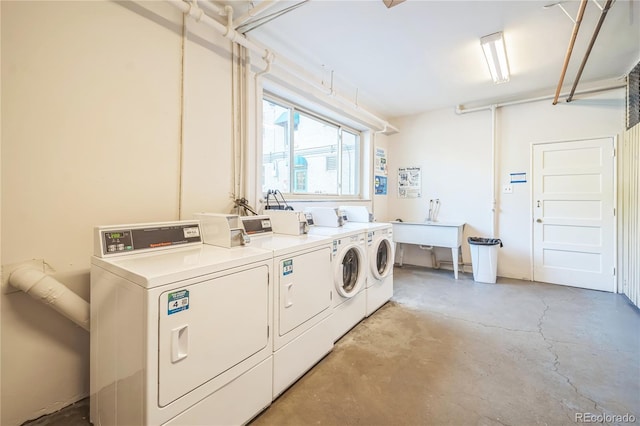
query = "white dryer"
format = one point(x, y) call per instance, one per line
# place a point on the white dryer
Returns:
point(180, 331)
point(303, 333)
point(349, 264)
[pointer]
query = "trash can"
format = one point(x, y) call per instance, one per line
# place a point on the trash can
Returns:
point(484, 258)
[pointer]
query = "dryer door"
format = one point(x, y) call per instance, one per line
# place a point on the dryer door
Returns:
point(381, 261)
point(207, 328)
point(350, 271)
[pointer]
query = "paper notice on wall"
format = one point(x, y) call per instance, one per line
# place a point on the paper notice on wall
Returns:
point(381, 162)
point(381, 185)
point(409, 182)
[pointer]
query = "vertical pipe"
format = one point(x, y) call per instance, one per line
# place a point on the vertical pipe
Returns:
point(494, 203)
point(576, 27)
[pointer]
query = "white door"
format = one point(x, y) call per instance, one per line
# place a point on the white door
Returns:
point(573, 213)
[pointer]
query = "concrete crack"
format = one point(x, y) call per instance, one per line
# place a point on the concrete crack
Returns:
point(483, 324)
point(556, 361)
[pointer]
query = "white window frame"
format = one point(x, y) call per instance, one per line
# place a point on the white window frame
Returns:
point(362, 154)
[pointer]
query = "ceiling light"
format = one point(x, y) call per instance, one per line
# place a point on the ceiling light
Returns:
point(496, 55)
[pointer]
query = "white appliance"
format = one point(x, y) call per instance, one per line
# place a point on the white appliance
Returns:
point(289, 222)
point(380, 254)
point(302, 296)
point(327, 217)
point(180, 330)
point(349, 265)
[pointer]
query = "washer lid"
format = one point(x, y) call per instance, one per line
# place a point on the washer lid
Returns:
point(160, 268)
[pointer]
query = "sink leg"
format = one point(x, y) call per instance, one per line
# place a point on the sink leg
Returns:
point(454, 255)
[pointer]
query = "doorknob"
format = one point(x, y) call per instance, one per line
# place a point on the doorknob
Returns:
point(539, 220)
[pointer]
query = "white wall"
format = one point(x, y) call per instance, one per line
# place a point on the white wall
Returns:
point(91, 135)
point(455, 153)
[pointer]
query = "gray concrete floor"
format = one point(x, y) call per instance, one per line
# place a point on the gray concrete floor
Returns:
point(446, 352)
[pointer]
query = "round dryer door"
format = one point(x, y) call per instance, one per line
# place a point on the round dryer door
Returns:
point(350, 271)
point(381, 262)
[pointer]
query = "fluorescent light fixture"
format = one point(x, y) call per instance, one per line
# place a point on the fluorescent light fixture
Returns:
point(496, 55)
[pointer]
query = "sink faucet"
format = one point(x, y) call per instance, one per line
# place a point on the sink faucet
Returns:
point(433, 210)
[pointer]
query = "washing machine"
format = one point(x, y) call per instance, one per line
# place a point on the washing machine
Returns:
point(380, 255)
point(349, 264)
point(181, 332)
point(303, 332)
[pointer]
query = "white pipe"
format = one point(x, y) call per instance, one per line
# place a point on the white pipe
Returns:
point(460, 109)
point(53, 293)
point(494, 164)
point(210, 7)
point(266, 4)
point(228, 32)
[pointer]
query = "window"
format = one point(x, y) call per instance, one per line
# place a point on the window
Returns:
point(325, 155)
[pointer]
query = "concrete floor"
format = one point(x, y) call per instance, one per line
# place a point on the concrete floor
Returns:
point(446, 352)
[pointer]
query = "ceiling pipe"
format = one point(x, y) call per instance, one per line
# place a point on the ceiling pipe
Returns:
point(603, 15)
point(52, 293)
point(253, 12)
point(574, 35)
point(460, 109)
point(210, 7)
point(192, 10)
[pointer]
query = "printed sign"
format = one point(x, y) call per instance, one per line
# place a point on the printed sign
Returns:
point(409, 182)
point(287, 267)
point(381, 185)
point(178, 301)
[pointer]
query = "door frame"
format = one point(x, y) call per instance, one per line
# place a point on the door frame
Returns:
point(616, 281)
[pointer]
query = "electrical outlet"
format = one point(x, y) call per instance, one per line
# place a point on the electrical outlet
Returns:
point(507, 189)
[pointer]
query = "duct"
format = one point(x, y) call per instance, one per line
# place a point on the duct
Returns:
point(574, 35)
point(603, 15)
point(52, 293)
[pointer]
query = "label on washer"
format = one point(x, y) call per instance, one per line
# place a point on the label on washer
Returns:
point(178, 301)
point(287, 267)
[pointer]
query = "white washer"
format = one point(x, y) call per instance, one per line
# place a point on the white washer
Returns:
point(303, 333)
point(381, 252)
point(380, 255)
point(180, 331)
point(349, 276)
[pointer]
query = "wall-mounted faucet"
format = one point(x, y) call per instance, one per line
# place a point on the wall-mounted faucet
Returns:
point(434, 208)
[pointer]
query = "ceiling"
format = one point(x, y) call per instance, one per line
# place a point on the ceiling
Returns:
point(422, 55)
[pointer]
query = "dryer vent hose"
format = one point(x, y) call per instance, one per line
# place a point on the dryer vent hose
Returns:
point(52, 293)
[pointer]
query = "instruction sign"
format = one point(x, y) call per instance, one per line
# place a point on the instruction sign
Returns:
point(287, 267)
point(381, 185)
point(178, 301)
point(409, 182)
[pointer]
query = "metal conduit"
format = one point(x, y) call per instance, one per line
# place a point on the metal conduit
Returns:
point(603, 15)
point(572, 41)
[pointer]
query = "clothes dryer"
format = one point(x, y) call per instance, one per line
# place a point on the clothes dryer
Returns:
point(349, 265)
point(180, 331)
point(303, 332)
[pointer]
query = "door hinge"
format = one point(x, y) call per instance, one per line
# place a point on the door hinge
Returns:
point(614, 211)
point(614, 152)
point(614, 271)
point(267, 332)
